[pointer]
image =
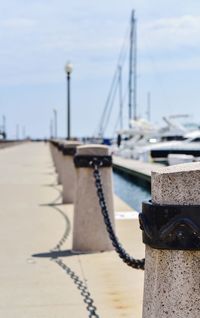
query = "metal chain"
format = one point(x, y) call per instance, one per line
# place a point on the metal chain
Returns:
point(81, 286)
point(77, 281)
point(130, 261)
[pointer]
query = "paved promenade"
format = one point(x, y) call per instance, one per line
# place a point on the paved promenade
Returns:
point(33, 223)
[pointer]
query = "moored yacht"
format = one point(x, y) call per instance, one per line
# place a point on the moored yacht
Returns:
point(151, 145)
point(158, 152)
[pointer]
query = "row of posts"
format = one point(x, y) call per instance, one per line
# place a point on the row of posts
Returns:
point(172, 277)
point(89, 232)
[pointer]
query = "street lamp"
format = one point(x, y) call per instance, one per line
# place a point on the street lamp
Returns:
point(55, 123)
point(68, 71)
point(4, 127)
point(17, 132)
point(51, 128)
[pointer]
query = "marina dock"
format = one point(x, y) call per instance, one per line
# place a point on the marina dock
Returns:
point(34, 221)
point(135, 168)
point(100, 180)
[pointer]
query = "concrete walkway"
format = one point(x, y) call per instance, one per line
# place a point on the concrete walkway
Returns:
point(33, 223)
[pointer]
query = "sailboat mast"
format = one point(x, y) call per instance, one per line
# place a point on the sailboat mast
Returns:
point(132, 69)
point(135, 70)
point(120, 96)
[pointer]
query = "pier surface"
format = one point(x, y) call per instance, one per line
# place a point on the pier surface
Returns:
point(136, 168)
point(33, 223)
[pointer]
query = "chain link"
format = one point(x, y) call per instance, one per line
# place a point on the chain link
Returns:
point(77, 281)
point(81, 286)
point(130, 261)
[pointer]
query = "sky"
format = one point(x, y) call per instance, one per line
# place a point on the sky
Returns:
point(38, 37)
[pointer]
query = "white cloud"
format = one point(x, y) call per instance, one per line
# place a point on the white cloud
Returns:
point(188, 22)
point(171, 33)
point(41, 42)
point(170, 65)
point(18, 23)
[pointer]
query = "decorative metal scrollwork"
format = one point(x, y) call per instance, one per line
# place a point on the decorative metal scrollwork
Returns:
point(69, 151)
point(174, 227)
point(83, 161)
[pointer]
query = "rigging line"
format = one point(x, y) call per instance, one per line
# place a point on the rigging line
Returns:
point(115, 74)
point(121, 60)
point(118, 117)
point(107, 103)
point(123, 51)
point(104, 114)
point(111, 107)
point(107, 111)
point(116, 124)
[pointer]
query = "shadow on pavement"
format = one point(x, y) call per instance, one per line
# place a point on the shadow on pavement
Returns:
point(56, 254)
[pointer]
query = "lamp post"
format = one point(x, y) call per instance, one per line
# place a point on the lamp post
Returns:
point(4, 127)
point(17, 132)
point(51, 128)
point(55, 123)
point(68, 70)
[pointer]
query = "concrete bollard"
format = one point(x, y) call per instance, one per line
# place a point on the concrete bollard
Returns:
point(52, 146)
point(56, 152)
point(56, 155)
point(172, 288)
point(68, 171)
point(89, 232)
point(59, 159)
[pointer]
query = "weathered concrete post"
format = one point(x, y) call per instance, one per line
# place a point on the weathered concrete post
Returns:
point(59, 159)
point(68, 171)
point(56, 155)
point(89, 233)
point(172, 277)
point(52, 146)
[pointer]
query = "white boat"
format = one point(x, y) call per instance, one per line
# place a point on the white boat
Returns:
point(143, 140)
point(146, 143)
point(160, 151)
point(140, 133)
point(175, 159)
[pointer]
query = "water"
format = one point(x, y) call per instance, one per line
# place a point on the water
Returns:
point(131, 190)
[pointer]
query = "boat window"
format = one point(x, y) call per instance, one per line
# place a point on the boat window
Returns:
point(196, 139)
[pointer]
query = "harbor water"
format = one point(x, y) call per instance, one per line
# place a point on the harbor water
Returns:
point(131, 190)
